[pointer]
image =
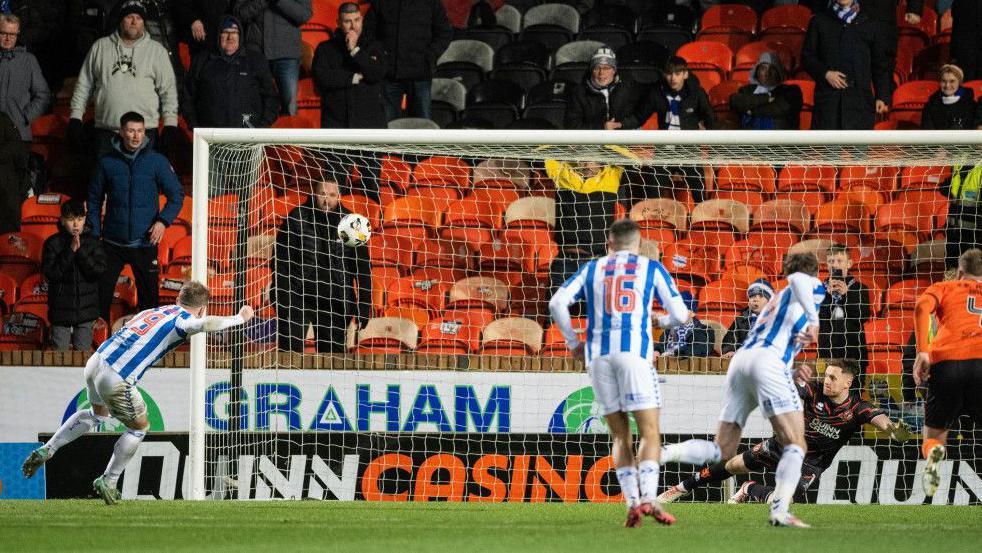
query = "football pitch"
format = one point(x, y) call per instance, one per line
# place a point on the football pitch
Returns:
point(74, 525)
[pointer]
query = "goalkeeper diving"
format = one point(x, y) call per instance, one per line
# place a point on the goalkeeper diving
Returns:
point(833, 414)
point(112, 372)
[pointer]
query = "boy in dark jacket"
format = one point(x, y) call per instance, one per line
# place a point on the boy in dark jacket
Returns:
point(680, 101)
point(767, 103)
point(603, 101)
point(844, 312)
point(73, 262)
point(758, 294)
point(693, 339)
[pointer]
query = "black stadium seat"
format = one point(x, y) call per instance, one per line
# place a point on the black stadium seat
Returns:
point(521, 62)
point(642, 62)
point(547, 101)
point(494, 100)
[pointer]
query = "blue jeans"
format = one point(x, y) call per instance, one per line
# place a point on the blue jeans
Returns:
point(286, 73)
point(417, 103)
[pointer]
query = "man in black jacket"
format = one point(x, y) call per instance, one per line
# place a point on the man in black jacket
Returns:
point(680, 101)
point(847, 53)
point(758, 294)
point(348, 70)
point(314, 272)
point(414, 33)
point(603, 101)
point(844, 312)
point(231, 87)
point(199, 21)
point(73, 262)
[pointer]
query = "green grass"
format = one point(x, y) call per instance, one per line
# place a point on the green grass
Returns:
point(465, 528)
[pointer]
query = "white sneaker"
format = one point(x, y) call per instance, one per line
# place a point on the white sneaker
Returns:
point(672, 494)
point(787, 519)
point(932, 475)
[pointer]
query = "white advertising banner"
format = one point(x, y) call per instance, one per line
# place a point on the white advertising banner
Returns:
point(38, 399)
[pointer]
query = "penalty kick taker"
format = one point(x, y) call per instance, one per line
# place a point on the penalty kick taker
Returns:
point(114, 369)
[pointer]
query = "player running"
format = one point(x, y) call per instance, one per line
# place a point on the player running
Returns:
point(619, 290)
point(832, 416)
point(951, 365)
point(114, 369)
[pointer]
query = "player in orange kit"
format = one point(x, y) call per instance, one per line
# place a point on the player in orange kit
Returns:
point(951, 365)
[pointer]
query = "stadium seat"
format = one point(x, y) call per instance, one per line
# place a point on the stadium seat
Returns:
point(928, 201)
point(706, 56)
point(531, 212)
point(610, 24)
point(471, 221)
point(807, 93)
point(747, 56)
point(746, 177)
point(792, 15)
point(482, 293)
point(412, 217)
point(494, 36)
point(443, 171)
point(455, 333)
point(920, 177)
point(33, 289)
point(391, 250)
point(718, 221)
point(8, 293)
point(764, 250)
point(722, 300)
point(735, 15)
point(466, 61)
point(502, 173)
point(694, 262)
point(547, 101)
point(510, 18)
point(539, 243)
point(742, 275)
point(22, 331)
point(515, 336)
point(731, 36)
point(521, 62)
point(750, 198)
point(642, 62)
point(387, 335)
point(916, 37)
point(841, 217)
point(902, 296)
point(447, 100)
point(888, 334)
point(496, 100)
point(442, 254)
point(811, 199)
point(794, 178)
point(661, 213)
point(552, 25)
point(42, 208)
point(20, 254)
point(929, 259)
point(719, 99)
point(818, 247)
point(554, 342)
point(172, 234)
point(419, 316)
point(881, 179)
point(782, 215)
point(909, 99)
point(572, 60)
point(413, 123)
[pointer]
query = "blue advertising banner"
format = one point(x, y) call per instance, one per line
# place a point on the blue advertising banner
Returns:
point(13, 485)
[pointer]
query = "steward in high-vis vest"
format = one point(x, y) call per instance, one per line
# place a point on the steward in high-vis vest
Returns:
point(964, 225)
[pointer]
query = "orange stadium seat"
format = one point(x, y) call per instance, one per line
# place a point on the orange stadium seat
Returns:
point(735, 15)
point(471, 221)
point(722, 299)
point(747, 56)
point(419, 316)
point(480, 293)
point(795, 178)
point(20, 254)
point(33, 289)
point(706, 56)
point(22, 331)
point(901, 296)
point(881, 179)
point(357, 203)
point(443, 254)
point(699, 263)
point(531, 212)
point(661, 213)
point(515, 336)
point(717, 222)
point(381, 278)
point(555, 343)
point(782, 215)
point(412, 217)
point(764, 250)
point(539, 243)
point(867, 197)
point(395, 173)
point(731, 36)
point(923, 177)
point(387, 335)
point(502, 173)
point(888, 334)
point(43, 208)
point(455, 333)
point(428, 294)
point(811, 199)
point(742, 275)
point(443, 171)
point(792, 15)
point(746, 177)
point(387, 250)
point(909, 99)
point(928, 200)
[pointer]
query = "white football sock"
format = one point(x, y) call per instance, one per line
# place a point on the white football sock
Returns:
point(693, 452)
point(648, 480)
point(76, 425)
point(126, 446)
point(786, 478)
point(627, 477)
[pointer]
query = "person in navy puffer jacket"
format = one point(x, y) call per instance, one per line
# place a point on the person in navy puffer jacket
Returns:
point(129, 180)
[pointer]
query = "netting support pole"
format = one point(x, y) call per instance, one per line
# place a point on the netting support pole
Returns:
point(199, 272)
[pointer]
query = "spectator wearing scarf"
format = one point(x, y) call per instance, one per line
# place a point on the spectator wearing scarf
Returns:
point(693, 339)
point(679, 100)
point(952, 107)
point(767, 103)
point(603, 100)
point(758, 294)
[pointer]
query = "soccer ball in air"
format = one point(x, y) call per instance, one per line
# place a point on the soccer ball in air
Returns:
point(354, 230)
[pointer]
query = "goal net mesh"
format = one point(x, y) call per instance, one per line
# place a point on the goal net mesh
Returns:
point(424, 365)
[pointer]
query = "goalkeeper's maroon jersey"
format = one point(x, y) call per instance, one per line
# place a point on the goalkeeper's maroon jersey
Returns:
point(828, 426)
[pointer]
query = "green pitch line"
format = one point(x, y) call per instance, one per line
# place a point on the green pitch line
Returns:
point(334, 526)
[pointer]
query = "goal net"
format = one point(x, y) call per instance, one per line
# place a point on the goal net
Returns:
point(424, 365)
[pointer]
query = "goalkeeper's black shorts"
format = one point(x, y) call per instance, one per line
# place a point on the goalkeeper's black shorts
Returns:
point(764, 457)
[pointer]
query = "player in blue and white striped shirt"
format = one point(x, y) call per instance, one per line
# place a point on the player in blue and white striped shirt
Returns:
point(760, 375)
point(619, 290)
point(114, 369)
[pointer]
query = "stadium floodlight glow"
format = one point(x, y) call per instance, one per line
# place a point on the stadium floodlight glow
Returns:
point(724, 205)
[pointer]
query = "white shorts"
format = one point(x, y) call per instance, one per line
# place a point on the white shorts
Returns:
point(105, 387)
point(758, 377)
point(624, 382)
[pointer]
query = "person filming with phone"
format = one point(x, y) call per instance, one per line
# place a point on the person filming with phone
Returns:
point(844, 312)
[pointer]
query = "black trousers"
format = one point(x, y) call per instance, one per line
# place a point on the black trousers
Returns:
point(143, 261)
point(330, 325)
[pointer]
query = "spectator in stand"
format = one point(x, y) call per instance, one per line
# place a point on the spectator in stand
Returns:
point(73, 262)
point(348, 70)
point(199, 21)
point(273, 28)
point(314, 273)
point(414, 33)
point(14, 181)
point(161, 25)
point(126, 71)
point(844, 311)
point(846, 53)
point(963, 230)
point(679, 100)
point(24, 94)
point(603, 101)
point(46, 32)
point(767, 103)
point(231, 87)
point(952, 107)
point(129, 179)
point(693, 339)
point(966, 37)
point(758, 294)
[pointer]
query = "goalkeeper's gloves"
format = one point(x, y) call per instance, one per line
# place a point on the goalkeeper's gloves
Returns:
point(901, 432)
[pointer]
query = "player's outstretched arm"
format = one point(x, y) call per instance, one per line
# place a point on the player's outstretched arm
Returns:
point(214, 323)
point(899, 431)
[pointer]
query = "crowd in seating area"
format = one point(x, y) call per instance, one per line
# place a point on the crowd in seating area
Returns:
point(95, 161)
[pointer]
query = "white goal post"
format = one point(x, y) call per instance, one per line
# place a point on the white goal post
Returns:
point(715, 149)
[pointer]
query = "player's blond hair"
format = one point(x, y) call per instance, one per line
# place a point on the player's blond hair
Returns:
point(193, 295)
point(970, 262)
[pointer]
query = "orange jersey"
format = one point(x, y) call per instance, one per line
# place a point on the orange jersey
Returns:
point(959, 316)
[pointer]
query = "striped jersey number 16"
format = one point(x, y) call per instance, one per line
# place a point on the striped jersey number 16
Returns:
point(619, 292)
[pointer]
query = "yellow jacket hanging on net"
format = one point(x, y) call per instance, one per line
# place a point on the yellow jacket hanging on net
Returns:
point(608, 179)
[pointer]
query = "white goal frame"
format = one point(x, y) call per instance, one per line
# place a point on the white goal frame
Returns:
point(203, 138)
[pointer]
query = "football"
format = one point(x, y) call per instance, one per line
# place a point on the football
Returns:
point(354, 230)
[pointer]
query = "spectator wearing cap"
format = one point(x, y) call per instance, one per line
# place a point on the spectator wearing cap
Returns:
point(124, 72)
point(953, 106)
point(348, 70)
point(415, 34)
point(679, 100)
point(693, 339)
point(767, 103)
point(273, 28)
point(758, 294)
point(231, 87)
point(24, 94)
point(847, 53)
point(603, 101)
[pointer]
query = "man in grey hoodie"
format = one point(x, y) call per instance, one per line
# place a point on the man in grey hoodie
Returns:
point(126, 71)
point(24, 94)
